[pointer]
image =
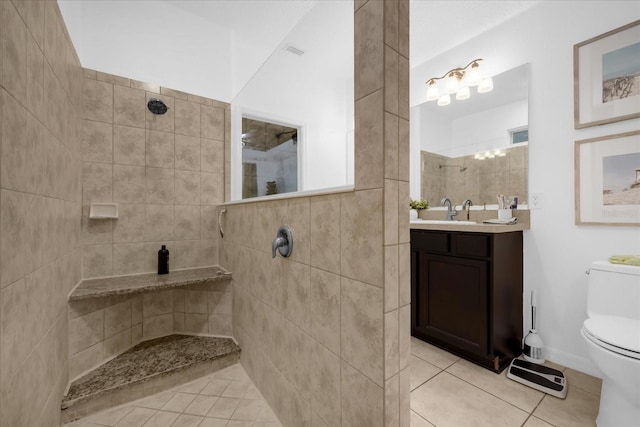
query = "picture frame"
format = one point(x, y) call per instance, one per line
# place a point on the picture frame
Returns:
point(607, 77)
point(607, 180)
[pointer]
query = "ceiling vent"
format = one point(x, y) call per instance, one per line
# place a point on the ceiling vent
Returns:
point(294, 50)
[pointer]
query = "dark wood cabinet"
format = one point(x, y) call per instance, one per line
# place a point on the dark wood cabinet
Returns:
point(466, 293)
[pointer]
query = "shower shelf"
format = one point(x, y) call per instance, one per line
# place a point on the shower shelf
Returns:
point(140, 283)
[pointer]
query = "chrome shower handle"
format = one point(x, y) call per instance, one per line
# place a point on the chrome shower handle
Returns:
point(220, 229)
point(283, 242)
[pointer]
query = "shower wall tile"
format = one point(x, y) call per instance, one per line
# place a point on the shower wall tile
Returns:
point(128, 183)
point(128, 146)
point(369, 49)
point(369, 142)
point(14, 53)
point(148, 87)
point(160, 149)
point(212, 188)
point(174, 93)
point(187, 222)
point(160, 186)
point(35, 76)
point(325, 309)
point(110, 78)
point(187, 187)
point(97, 260)
point(128, 106)
point(212, 123)
point(128, 258)
point(187, 152)
point(159, 223)
point(187, 121)
point(212, 155)
point(97, 142)
point(130, 225)
point(98, 101)
point(368, 408)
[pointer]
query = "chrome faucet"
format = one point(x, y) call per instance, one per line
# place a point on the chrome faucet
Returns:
point(466, 205)
point(451, 210)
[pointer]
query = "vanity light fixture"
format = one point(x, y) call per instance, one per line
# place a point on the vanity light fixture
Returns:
point(458, 81)
point(489, 154)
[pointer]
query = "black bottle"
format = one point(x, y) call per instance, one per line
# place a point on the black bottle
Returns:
point(163, 260)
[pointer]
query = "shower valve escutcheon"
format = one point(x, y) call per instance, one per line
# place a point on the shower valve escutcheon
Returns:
point(283, 242)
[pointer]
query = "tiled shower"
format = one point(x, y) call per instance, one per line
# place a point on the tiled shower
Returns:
point(324, 335)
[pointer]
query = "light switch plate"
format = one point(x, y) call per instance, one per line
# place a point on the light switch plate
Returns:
point(536, 201)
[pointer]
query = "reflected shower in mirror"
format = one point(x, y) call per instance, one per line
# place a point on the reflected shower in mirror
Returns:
point(476, 148)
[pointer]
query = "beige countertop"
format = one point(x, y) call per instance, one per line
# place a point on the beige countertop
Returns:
point(476, 216)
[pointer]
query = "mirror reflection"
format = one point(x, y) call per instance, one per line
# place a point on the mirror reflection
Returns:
point(478, 147)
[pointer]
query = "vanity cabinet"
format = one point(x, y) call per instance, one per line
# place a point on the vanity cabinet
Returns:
point(466, 293)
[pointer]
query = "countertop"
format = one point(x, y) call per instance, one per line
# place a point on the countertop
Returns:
point(122, 285)
point(475, 215)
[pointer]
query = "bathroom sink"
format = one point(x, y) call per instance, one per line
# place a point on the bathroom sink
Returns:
point(442, 222)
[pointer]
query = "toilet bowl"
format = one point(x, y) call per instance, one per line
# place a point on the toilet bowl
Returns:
point(612, 337)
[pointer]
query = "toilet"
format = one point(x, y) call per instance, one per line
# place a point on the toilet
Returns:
point(612, 336)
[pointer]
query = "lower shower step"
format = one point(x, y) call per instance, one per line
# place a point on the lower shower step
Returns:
point(145, 369)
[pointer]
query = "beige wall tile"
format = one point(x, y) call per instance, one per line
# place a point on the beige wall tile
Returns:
point(174, 93)
point(390, 212)
point(163, 122)
point(362, 328)
point(220, 325)
point(98, 101)
point(325, 308)
point(209, 222)
point(403, 215)
point(196, 323)
point(128, 145)
point(369, 49)
point(391, 24)
point(362, 400)
point(128, 258)
point(298, 218)
point(297, 302)
point(390, 72)
point(403, 28)
point(157, 326)
point(129, 106)
point(195, 302)
point(212, 155)
point(85, 360)
point(209, 253)
point(160, 186)
point(35, 74)
point(14, 53)
point(325, 385)
point(14, 139)
point(369, 141)
point(97, 182)
point(392, 401)
point(404, 322)
point(405, 397)
point(117, 318)
point(97, 141)
point(187, 121)
point(391, 146)
point(403, 87)
point(113, 79)
point(391, 344)
point(159, 223)
point(187, 152)
point(390, 278)
point(186, 254)
point(187, 187)
point(128, 184)
point(97, 261)
point(212, 125)
point(149, 87)
point(130, 224)
point(404, 274)
point(361, 236)
point(212, 188)
point(159, 149)
point(187, 222)
point(178, 322)
point(86, 331)
point(219, 302)
point(157, 303)
point(117, 343)
point(403, 149)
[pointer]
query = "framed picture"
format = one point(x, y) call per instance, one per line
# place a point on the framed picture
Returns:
point(606, 71)
point(607, 180)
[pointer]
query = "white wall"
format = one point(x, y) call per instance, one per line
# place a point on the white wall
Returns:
point(556, 252)
point(152, 41)
point(314, 91)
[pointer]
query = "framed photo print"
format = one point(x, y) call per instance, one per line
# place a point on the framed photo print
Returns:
point(607, 180)
point(606, 71)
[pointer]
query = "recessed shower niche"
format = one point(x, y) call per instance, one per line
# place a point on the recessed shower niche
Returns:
point(269, 158)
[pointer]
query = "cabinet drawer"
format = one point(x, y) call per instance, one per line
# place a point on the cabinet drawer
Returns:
point(473, 245)
point(431, 241)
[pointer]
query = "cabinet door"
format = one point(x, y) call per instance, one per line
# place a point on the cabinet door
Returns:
point(453, 301)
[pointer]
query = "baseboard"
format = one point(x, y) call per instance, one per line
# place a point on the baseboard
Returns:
point(572, 361)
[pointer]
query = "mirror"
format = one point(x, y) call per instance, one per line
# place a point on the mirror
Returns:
point(452, 138)
point(307, 85)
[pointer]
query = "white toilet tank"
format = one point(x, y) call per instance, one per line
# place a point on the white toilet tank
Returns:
point(614, 290)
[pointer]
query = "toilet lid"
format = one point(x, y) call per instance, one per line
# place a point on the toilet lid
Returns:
point(620, 332)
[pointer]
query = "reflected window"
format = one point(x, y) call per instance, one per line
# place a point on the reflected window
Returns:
point(269, 158)
point(519, 136)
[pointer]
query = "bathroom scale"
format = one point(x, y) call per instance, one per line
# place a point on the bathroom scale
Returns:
point(542, 378)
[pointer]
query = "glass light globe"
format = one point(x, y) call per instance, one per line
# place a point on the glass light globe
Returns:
point(473, 76)
point(485, 85)
point(444, 100)
point(432, 91)
point(452, 84)
point(463, 93)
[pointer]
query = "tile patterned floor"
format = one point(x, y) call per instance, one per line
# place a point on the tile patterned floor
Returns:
point(446, 391)
point(226, 398)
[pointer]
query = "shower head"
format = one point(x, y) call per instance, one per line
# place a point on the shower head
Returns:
point(157, 106)
point(462, 168)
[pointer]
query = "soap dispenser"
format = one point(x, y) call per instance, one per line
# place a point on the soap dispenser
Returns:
point(163, 260)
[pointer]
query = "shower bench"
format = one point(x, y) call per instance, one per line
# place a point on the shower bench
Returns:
point(154, 363)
